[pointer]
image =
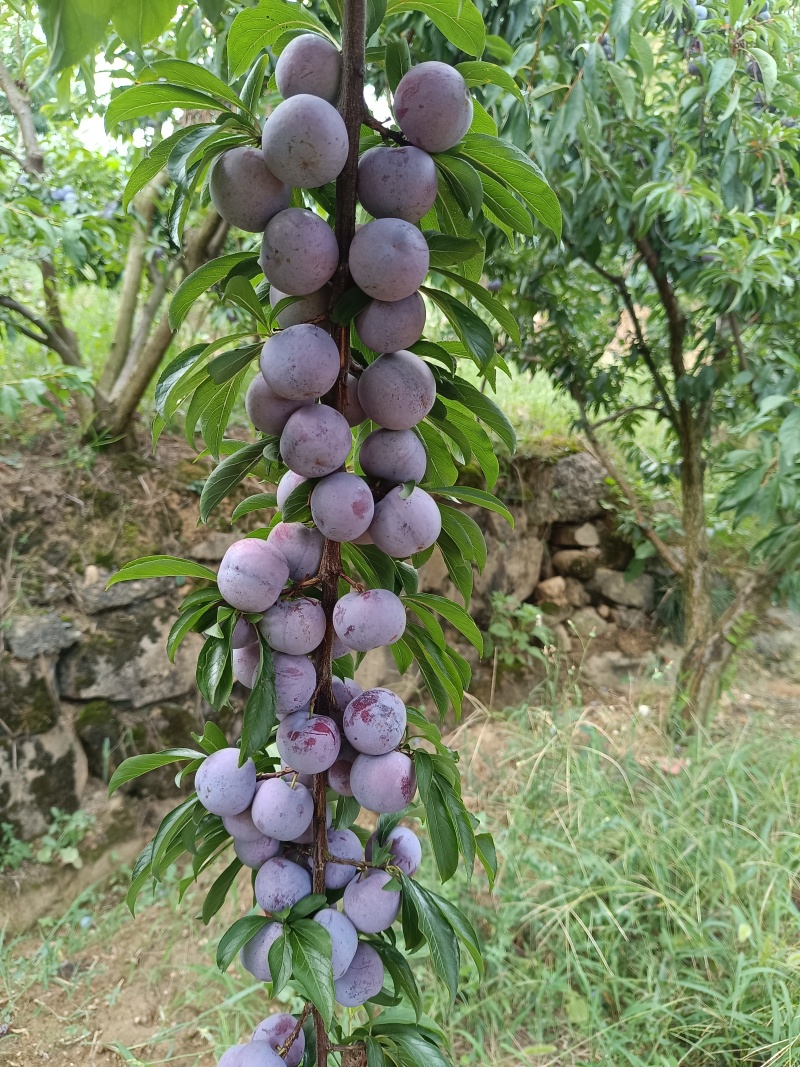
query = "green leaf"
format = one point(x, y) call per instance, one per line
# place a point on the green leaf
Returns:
point(227, 475)
point(397, 62)
point(170, 831)
point(153, 97)
point(161, 567)
point(279, 959)
point(769, 70)
point(240, 291)
point(510, 166)
point(237, 936)
point(464, 181)
point(499, 313)
point(200, 281)
point(192, 75)
point(216, 895)
point(136, 766)
point(500, 204)
point(74, 28)
point(257, 502)
point(626, 87)
point(376, 11)
point(789, 437)
point(375, 1056)
point(476, 496)
point(311, 965)
point(213, 672)
point(257, 28)
point(459, 570)
point(437, 819)
point(259, 713)
point(483, 407)
point(460, 21)
point(230, 363)
point(620, 26)
point(482, 73)
point(146, 169)
point(140, 21)
point(442, 942)
point(722, 70)
point(306, 906)
point(440, 469)
point(472, 331)
point(484, 847)
point(454, 614)
point(447, 249)
point(183, 625)
point(215, 416)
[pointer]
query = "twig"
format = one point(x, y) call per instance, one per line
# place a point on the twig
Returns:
point(387, 134)
point(622, 413)
point(293, 1036)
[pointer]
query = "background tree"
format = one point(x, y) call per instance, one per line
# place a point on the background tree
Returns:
point(61, 207)
point(671, 132)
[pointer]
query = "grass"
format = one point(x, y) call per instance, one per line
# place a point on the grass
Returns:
point(641, 917)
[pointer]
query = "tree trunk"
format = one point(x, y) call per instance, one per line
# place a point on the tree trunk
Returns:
point(697, 576)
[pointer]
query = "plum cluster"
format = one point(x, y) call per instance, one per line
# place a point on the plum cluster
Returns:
point(310, 395)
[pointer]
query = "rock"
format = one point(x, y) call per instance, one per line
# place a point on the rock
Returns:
point(40, 773)
point(213, 547)
point(100, 730)
point(613, 586)
point(93, 597)
point(126, 662)
point(611, 669)
point(587, 623)
point(28, 695)
point(551, 589)
point(34, 635)
point(578, 486)
point(575, 563)
point(604, 611)
point(576, 593)
point(630, 618)
point(561, 637)
point(583, 536)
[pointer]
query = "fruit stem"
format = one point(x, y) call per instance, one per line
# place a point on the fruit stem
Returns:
point(351, 108)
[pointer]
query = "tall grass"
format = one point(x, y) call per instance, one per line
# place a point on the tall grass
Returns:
point(641, 917)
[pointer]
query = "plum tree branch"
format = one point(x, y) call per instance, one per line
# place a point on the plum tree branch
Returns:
point(20, 104)
point(351, 108)
point(676, 321)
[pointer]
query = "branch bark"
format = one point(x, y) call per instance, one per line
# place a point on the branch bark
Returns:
point(351, 107)
point(20, 104)
point(676, 321)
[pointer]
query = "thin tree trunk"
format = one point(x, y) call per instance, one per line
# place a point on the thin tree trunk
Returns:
point(130, 391)
point(144, 209)
point(698, 620)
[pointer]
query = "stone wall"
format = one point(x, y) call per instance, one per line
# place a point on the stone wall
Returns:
point(86, 681)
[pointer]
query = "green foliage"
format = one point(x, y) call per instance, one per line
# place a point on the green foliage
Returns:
point(13, 852)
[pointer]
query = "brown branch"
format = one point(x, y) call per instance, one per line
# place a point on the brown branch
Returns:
point(622, 413)
point(388, 135)
point(628, 492)
point(293, 1036)
point(621, 285)
point(49, 338)
point(733, 322)
point(20, 104)
point(69, 338)
point(676, 321)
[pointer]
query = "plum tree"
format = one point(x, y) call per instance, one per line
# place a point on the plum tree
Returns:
point(252, 575)
point(300, 546)
point(300, 362)
point(403, 526)
point(222, 786)
point(389, 259)
point(398, 390)
point(295, 626)
point(404, 846)
point(391, 325)
point(370, 619)
point(375, 722)
point(245, 191)
point(266, 410)
point(383, 784)
point(336, 363)
point(315, 441)
point(275, 1030)
point(280, 883)
point(282, 810)
point(255, 854)
point(309, 64)
point(369, 907)
point(344, 938)
point(397, 183)
point(299, 252)
point(432, 106)
point(342, 506)
point(308, 308)
point(362, 980)
point(287, 485)
point(395, 456)
point(308, 744)
point(305, 142)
